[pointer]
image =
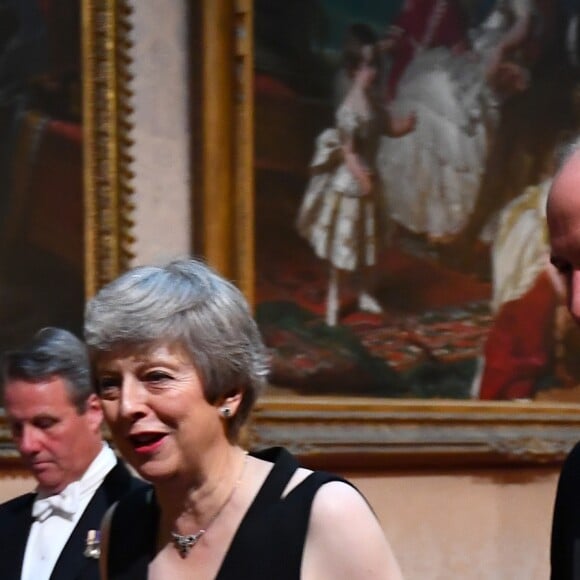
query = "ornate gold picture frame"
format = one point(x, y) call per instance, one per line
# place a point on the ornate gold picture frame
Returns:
point(329, 431)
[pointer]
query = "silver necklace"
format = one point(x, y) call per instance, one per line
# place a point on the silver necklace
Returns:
point(183, 544)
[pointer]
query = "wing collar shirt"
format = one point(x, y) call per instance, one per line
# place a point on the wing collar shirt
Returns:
point(56, 516)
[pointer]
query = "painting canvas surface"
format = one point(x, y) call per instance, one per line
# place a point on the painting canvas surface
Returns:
point(437, 273)
point(41, 200)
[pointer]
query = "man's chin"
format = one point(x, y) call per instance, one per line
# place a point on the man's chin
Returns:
point(47, 481)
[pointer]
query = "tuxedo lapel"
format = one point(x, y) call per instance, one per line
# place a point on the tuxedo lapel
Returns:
point(15, 523)
point(72, 563)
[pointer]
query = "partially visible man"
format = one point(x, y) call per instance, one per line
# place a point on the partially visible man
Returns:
point(56, 420)
point(563, 214)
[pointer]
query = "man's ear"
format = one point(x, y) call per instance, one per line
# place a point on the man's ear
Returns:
point(94, 412)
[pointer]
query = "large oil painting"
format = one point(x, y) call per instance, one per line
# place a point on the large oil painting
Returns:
point(403, 153)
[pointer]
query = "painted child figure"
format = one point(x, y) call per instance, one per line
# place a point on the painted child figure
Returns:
point(339, 213)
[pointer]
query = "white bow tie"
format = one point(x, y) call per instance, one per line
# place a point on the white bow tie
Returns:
point(64, 503)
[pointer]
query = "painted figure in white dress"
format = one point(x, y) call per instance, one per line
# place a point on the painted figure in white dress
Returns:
point(432, 176)
point(339, 212)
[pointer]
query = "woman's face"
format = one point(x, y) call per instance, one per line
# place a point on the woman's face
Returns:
point(154, 403)
point(366, 73)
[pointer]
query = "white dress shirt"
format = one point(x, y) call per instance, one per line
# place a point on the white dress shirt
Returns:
point(52, 527)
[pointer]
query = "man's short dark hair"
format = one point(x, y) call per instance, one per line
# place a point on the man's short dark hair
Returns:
point(52, 352)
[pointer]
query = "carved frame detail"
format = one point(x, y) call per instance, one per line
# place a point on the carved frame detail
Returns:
point(107, 126)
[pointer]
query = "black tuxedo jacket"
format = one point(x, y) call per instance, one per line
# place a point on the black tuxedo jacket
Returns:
point(72, 564)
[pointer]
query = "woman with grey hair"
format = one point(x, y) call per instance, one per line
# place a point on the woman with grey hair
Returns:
point(178, 364)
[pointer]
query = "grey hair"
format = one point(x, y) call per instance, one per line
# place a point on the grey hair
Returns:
point(52, 352)
point(186, 302)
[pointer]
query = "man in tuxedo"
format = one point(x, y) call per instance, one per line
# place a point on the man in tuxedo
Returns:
point(55, 419)
point(563, 213)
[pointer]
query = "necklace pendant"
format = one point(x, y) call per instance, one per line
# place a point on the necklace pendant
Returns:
point(183, 544)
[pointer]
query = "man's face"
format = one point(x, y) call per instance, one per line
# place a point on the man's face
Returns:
point(55, 441)
point(563, 213)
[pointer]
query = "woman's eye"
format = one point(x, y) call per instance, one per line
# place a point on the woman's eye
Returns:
point(107, 386)
point(156, 377)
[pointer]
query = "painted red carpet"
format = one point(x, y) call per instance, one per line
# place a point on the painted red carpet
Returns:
point(430, 311)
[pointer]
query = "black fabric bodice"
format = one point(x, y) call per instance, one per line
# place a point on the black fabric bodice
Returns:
point(268, 543)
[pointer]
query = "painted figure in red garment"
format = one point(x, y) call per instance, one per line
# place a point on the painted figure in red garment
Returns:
point(527, 302)
point(421, 24)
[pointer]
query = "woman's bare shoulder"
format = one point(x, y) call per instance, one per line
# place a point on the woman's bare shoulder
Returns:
point(342, 517)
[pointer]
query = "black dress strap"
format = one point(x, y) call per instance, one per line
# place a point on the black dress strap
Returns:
point(285, 465)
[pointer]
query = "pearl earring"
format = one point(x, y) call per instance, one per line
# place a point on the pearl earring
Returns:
point(225, 412)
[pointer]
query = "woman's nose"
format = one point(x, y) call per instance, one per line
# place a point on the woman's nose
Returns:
point(133, 398)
